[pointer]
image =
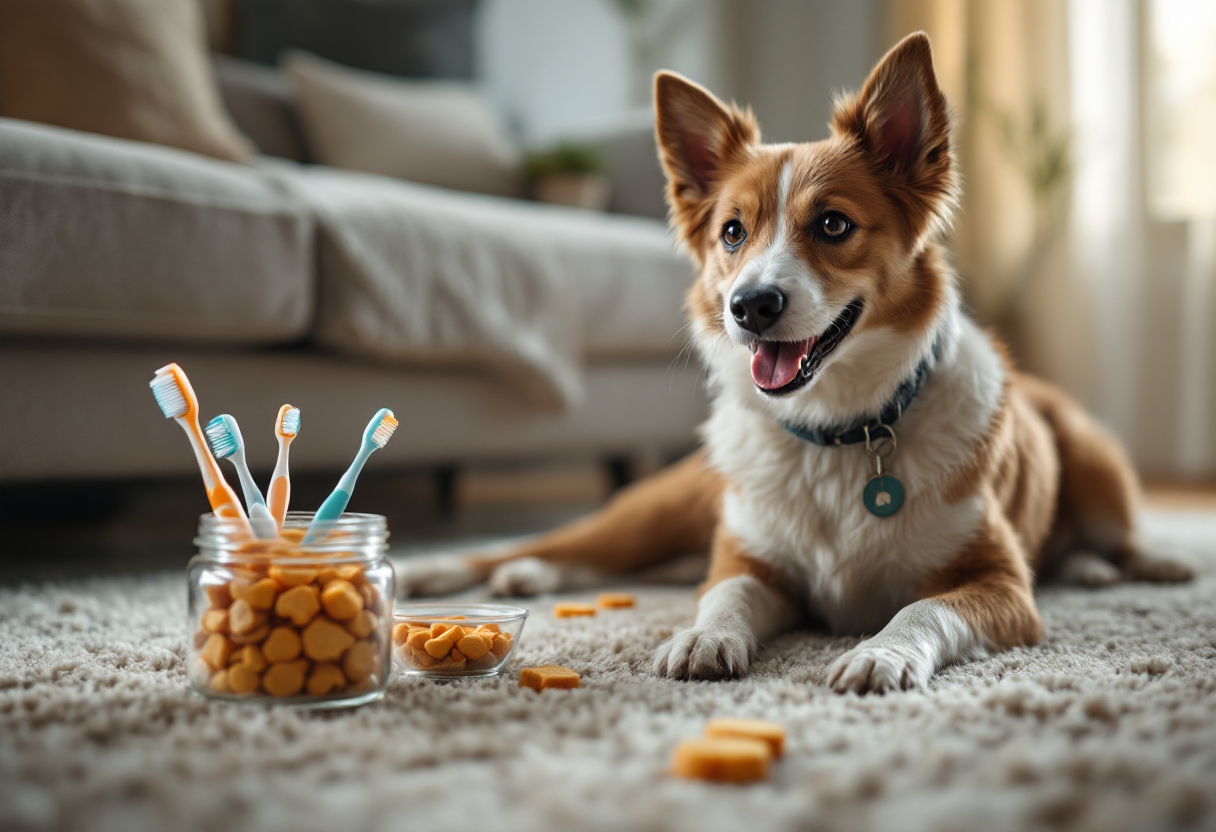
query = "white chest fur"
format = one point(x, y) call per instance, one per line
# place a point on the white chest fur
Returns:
point(799, 506)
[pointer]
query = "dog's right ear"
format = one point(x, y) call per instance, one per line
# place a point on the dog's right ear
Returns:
point(698, 138)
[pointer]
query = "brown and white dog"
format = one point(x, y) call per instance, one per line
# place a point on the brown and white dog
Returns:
point(826, 310)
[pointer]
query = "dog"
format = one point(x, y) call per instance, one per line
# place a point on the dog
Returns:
point(872, 460)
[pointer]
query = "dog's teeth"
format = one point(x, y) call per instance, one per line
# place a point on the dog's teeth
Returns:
point(755, 345)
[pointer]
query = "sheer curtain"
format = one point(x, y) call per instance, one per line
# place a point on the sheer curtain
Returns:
point(1088, 231)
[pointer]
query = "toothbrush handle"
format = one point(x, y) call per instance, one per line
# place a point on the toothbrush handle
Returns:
point(224, 502)
point(279, 496)
point(335, 503)
point(253, 496)
point(329, 511)
point(263, 524)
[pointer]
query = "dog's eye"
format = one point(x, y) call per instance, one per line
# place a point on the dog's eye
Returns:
point(834, 226)
point(733, 235)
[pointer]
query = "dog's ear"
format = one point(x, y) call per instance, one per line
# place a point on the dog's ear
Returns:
point(902, 121)
point(698, 137)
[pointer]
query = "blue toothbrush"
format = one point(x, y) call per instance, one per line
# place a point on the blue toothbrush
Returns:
point(375, 436)
point(224, 437)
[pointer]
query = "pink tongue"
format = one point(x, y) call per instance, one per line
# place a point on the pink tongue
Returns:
point(775, 364)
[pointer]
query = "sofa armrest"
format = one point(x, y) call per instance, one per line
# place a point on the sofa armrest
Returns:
point(628, 146)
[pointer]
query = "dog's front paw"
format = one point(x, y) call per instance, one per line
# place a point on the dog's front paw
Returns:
point(437, 575)
point(525, 576)
point(871, 668)
point(704, 653)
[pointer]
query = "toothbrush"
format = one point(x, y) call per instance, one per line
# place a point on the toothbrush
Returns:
point(375, 436)
point(224, 437)
point(177, 401)
point(286, 426)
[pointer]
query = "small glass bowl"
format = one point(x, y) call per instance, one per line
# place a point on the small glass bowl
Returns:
point(423, 644)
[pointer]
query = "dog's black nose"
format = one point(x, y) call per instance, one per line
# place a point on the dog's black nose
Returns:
point(756, 308)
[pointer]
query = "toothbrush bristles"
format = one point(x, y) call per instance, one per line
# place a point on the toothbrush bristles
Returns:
point(219, 437)
point(168, 395)
point(384, 430)
point(291, 422)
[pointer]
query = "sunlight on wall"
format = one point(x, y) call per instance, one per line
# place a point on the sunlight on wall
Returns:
point(1182, 130)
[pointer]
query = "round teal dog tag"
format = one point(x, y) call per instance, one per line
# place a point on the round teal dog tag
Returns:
point(883, 495)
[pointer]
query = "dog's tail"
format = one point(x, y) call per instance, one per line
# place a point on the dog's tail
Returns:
point(663, 516)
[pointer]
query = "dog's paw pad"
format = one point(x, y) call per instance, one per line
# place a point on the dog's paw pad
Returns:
point(526, 576)
point(874, 669)
point(716, 653)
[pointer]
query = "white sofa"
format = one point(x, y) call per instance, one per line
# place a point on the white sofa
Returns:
point(117, 257)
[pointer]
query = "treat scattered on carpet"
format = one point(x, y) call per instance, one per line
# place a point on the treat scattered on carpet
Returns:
point(1109, 724)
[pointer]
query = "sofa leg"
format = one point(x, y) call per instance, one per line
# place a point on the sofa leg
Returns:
point(619, 470)
point(445, 490)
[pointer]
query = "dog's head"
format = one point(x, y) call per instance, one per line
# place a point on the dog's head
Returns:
point(818, 270)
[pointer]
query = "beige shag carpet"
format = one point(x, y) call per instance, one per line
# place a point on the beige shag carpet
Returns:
point(1109, 724)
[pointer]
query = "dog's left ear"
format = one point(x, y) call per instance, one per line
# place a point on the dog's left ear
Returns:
point(902, 120)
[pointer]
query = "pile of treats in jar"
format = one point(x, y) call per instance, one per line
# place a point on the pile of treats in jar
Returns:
point(447, 646)
point(288, 630)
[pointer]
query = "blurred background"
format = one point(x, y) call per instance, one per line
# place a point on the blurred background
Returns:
point(1087, 136)
point(1087, 235)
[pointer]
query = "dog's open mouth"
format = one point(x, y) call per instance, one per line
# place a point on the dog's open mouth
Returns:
point(780, 367)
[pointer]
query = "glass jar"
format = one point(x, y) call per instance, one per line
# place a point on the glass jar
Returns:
point(286, 622)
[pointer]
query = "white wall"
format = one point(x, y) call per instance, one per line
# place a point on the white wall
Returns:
point(558, 66)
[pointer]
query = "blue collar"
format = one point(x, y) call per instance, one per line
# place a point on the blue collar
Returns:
point(854, 431)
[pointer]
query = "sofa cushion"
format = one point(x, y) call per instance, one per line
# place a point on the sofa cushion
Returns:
point(624, 277)
point(135, 69)
point(259, 100)
point(109, 238)
point(443, 133)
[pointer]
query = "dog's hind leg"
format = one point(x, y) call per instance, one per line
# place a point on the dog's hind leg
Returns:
point(1099, 490)
point(663, 516)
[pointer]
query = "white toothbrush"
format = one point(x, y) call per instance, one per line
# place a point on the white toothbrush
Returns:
point(224, 437)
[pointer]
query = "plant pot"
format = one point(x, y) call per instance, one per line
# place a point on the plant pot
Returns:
point(574, 189)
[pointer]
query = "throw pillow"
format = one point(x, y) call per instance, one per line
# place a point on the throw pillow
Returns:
point(441, 133)
point(135, 69)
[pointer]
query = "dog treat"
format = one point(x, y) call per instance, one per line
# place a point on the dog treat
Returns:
point(447, 646)
point(299, 604)
point(250, 655)
point(282, 645)
point(475, 645)
point(341, 600)
point(292, 631)
point(326, 641)
point(325, 679)
point(363, 624)
point(217, 650)
point(255, 636)
point(755, 729)
point(219, 681)
point(259, 594)
point(243, 618)
point(218, 595)
point(215, 621)
point(615, 600)
point(569, 609)
point(243, 679)
point(360, 661)
point(285, 679)
point(548, 677)
point(723, 759)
